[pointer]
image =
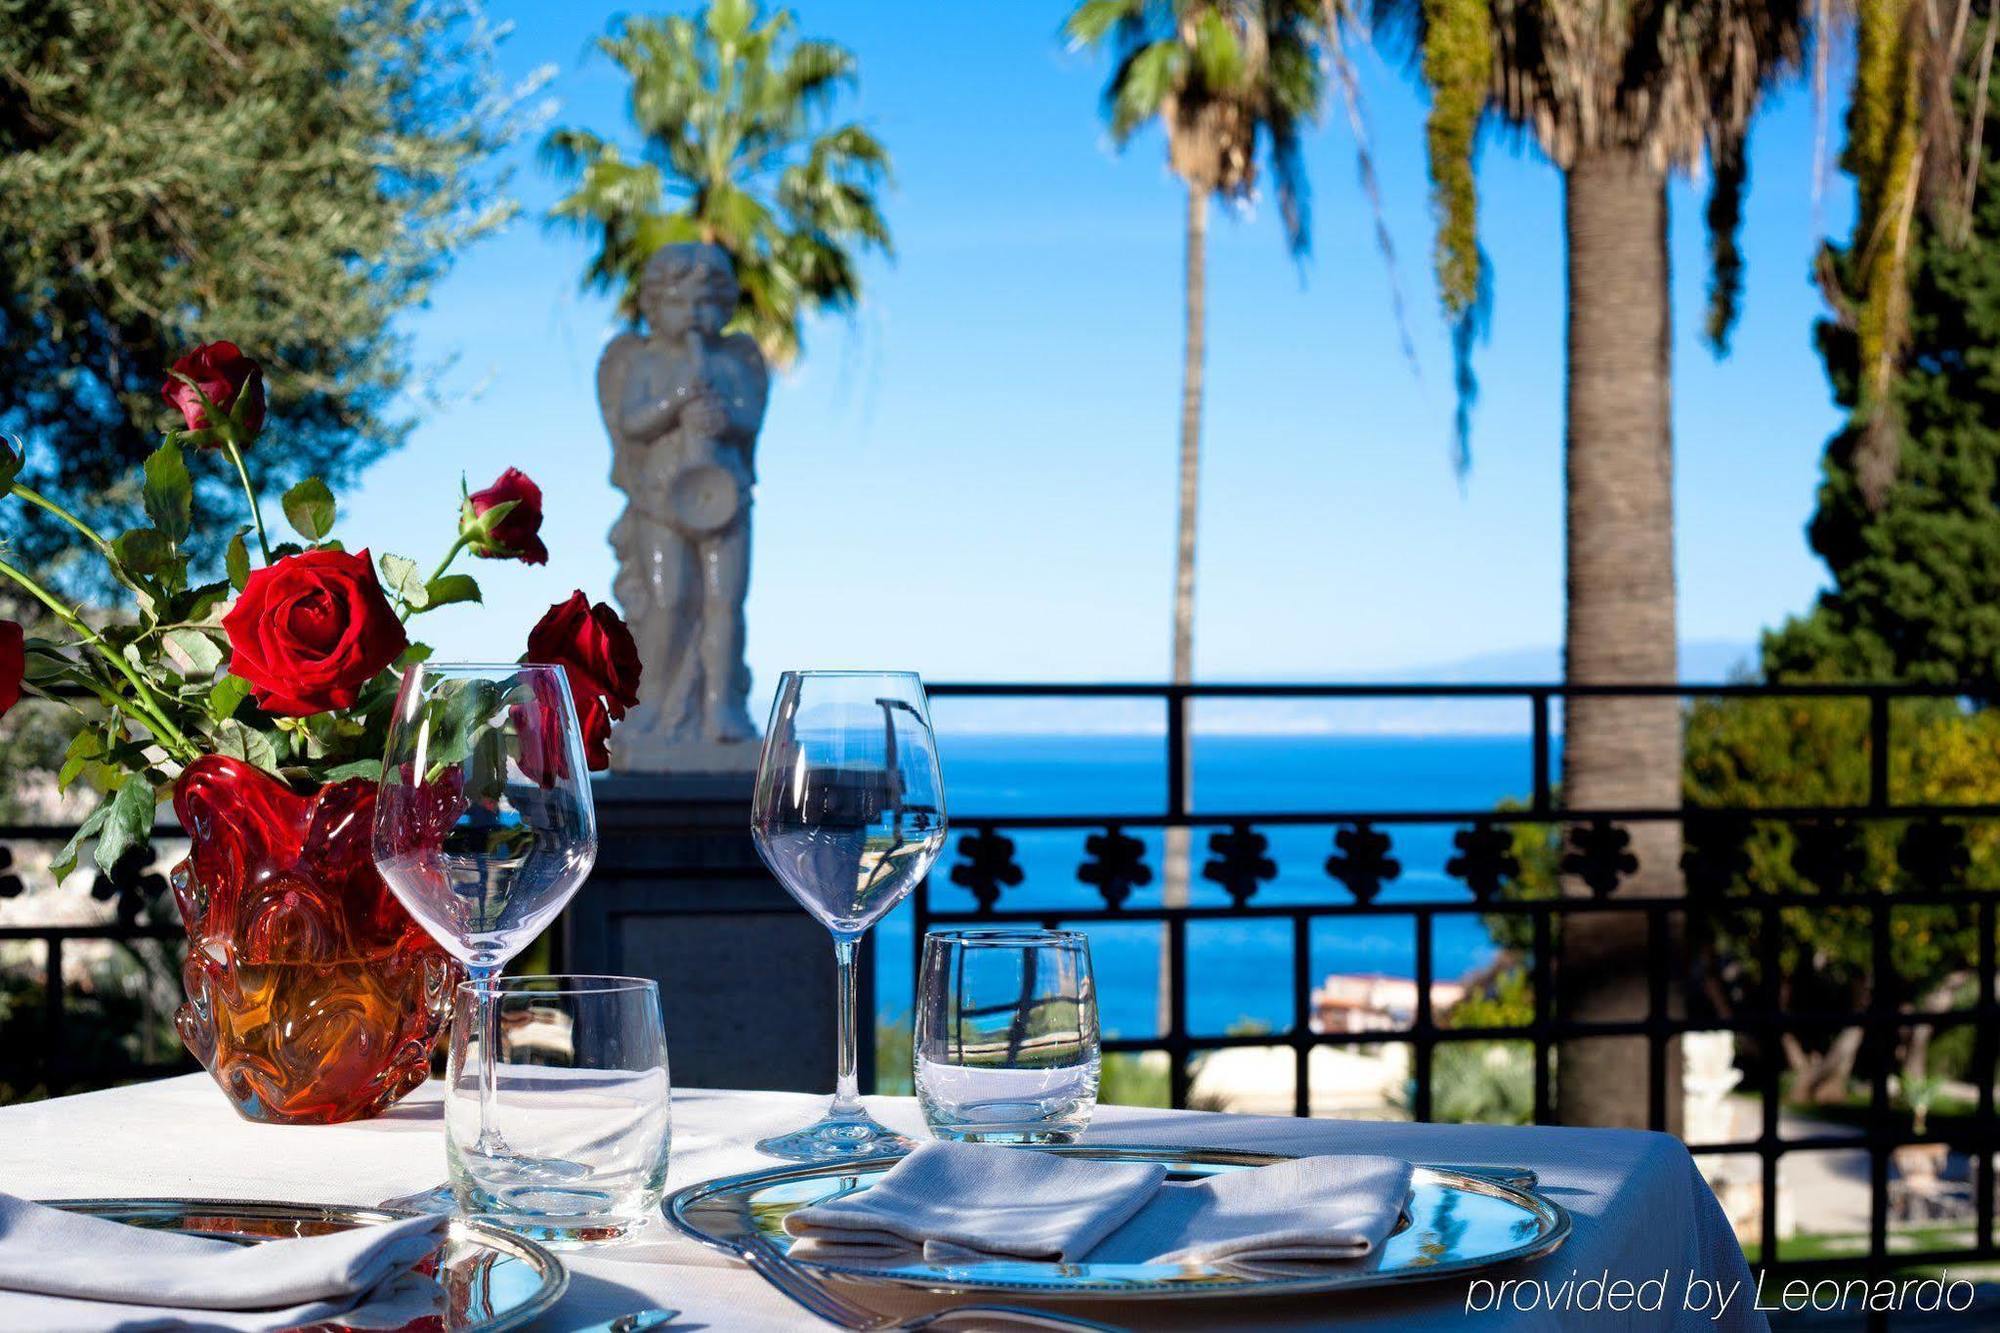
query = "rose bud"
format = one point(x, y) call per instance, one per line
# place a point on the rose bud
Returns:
point(13, 664)
point(309, 631)
point(597, 654)
point(514, 535)
point(233, 385)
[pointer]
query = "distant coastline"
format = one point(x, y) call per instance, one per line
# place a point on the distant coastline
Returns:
point(1703, 662)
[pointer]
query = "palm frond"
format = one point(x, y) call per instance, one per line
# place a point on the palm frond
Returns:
point(731, 107)
point(1725, 256)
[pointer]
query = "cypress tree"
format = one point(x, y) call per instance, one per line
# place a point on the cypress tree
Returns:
point(1916, 578)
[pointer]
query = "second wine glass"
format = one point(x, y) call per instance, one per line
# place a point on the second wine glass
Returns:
point(849, 815)
point(484, 826)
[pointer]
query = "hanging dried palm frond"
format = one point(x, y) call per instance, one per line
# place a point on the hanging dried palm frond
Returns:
point(1676, 81)
point(1458, 65)
point(1725, 256)
point(1903, 149)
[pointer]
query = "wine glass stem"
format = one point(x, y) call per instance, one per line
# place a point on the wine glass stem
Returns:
point(847, 1085)
point(488, 1009)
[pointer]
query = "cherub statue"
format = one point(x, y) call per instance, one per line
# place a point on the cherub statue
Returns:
point(683, 404)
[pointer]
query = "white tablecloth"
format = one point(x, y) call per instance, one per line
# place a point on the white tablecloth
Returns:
point(1641, 1210)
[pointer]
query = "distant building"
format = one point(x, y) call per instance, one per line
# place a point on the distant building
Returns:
point(1372, 1002)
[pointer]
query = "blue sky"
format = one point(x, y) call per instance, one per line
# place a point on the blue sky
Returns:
point(974, 476)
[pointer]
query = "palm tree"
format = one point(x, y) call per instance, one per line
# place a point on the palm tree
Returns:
point(1619, 96)
point(1225, 79)
point(735, 155)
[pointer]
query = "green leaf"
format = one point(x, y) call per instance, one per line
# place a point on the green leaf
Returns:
point(247, 743)
point(227, 696)
point(415, 653)
point(203, 601)
point(458, 719)
point(65, 860)
point(404, 580)
point(143, 551)
point(129, 824)
point(309, 508)
point(370, 769)
point(193, 653)
point(449, 588)
point(84, 749)
point(45, 664)
point(10, 464)
point(237, 560)
point(169, 492)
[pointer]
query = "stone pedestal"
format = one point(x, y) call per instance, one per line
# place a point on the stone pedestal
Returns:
point(679, 895)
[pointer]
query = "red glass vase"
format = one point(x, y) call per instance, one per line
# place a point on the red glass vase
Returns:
point(313, 997)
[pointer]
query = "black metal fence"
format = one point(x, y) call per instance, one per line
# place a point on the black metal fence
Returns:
point(975, 887)
point(1115, 884)
point(57, 1037)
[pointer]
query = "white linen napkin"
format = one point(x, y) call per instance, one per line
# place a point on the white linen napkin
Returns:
point(957, 1201)
point(1313, 1209)
point(63, 1270)
point(950, 1198)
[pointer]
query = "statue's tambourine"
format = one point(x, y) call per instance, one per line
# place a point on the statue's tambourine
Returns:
point(704, 498)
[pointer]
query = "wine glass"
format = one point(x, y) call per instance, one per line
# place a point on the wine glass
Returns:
point(484, 826)
point(849, 814)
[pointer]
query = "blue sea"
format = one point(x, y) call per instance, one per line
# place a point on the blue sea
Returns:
point(1237, 971)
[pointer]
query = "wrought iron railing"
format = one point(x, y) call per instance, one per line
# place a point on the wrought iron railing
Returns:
point(973, 887)
point(45, 1051)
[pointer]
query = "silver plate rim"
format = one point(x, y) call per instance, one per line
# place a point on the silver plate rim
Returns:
point(1556, 1231)
point(553, 1272)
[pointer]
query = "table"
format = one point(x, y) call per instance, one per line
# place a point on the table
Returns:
point(1641, 1210)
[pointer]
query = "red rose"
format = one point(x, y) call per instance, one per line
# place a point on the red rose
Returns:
point(309, 631)
point(224, 374)
point(539, 741)
point(596, 652)
point(517, 534)
point(13, 664)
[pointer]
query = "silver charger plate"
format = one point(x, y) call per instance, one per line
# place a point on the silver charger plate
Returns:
point(488, 1277)
point(1455, 1224)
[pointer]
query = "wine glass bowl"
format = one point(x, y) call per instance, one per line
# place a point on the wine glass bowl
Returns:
point(848, 813)
point(484, 826)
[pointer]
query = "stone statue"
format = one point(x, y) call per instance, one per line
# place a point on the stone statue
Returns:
point(683, 405)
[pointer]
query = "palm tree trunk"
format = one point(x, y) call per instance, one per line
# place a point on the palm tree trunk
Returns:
point(1174, 882)
point(1619, 753)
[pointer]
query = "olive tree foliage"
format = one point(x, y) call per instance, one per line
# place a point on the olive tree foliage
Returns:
point(287, 174)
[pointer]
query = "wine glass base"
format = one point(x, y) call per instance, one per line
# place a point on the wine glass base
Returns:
point(838, 1138)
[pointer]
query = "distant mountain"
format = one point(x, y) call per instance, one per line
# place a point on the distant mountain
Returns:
point(1702, 662)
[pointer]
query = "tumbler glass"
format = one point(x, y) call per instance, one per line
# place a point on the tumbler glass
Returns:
point(1006, 1035)
point(576, 1147)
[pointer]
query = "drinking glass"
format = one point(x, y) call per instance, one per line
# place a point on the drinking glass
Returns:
point(1007, 1039)
point(848, 813)
point(580, 1097)
point(484, 826)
